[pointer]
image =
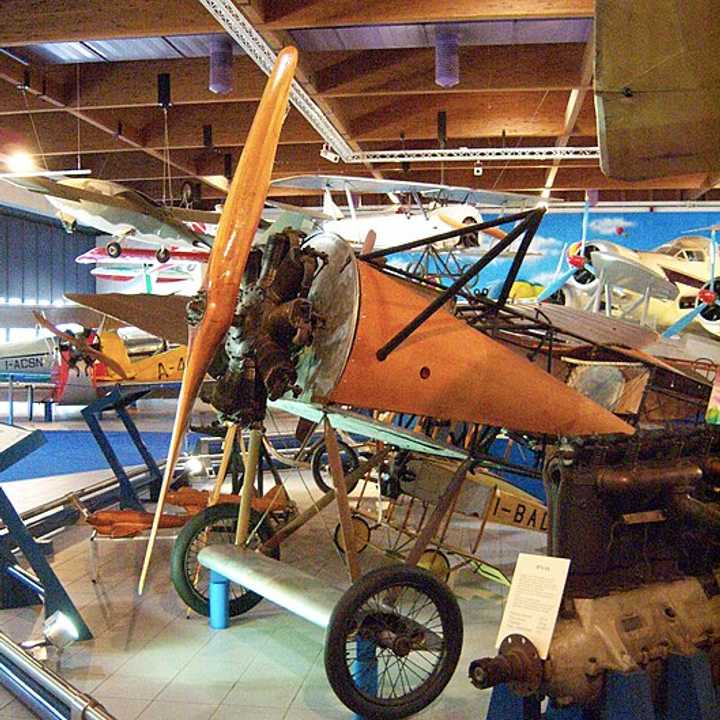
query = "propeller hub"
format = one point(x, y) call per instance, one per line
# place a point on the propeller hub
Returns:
point(577, 261)
point(707, 296)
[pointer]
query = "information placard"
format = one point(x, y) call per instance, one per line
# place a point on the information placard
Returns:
point(534, 600)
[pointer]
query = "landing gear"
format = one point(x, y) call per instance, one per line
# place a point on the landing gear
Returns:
point(162, 255)
point(113, 249)
point(393, 643)
point(320, 465)
point(215, 525)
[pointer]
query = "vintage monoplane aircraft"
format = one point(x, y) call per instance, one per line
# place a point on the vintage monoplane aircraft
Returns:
point(315, 322)
point(122, 212)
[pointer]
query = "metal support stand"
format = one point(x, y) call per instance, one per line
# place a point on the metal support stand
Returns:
point(30, 402)
point(628, 697)
point(365, 669)
point(11, 405)
point(22, 587)
point(118, 400)
point(219, 600)
point(506, 705)
point(690, 691)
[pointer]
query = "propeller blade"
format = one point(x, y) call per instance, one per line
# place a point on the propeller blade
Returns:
point(585, 219)
point(555, 285)
point(238, 222)
point(677, 327)
point(713, 255)
point(82, 345)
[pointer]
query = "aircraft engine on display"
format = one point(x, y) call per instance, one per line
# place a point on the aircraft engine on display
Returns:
point(639, 520)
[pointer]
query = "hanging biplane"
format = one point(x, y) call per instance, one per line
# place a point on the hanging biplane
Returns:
point(305, 319)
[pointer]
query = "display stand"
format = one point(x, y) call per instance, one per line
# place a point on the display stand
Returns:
point(21, 587)
point(690, 695)
point(119, 399)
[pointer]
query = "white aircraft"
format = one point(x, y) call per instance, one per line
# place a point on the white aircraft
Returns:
point(434, 209)
point(672, 287)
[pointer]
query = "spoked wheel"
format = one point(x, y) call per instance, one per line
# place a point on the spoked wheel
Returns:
point(320, 465)
point(215, 525)
point(361, 533)
point(393, 642)
point(436, 562)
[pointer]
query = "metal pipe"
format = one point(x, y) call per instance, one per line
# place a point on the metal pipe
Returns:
point(45, 692)
point(440, 300)
point(622, 481)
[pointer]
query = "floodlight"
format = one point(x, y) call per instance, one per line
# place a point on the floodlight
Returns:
point(59, 632)
point(20, 162)
point(194, 466)
point(329, 154)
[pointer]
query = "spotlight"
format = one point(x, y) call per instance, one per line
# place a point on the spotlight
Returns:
point(20, 162)
point(329, 154)
point(194, 466)
point(59, 632)
point(477, 169)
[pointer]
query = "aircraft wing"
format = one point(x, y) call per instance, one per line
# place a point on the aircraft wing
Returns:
point(657, 90)
point(355, 423)
point(46, 186)
point(592, 327)
point(208, 217)
point(160, 315)
point(630, 275)
point(308, 212)
point(364, 185)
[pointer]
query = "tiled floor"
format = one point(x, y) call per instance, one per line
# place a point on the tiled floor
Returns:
point(149, 661)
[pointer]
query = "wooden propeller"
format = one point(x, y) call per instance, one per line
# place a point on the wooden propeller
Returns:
point(238, 222)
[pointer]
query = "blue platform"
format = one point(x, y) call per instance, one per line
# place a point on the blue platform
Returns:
point(74, 451)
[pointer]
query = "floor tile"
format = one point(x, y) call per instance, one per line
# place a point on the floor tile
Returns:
point(159, 710)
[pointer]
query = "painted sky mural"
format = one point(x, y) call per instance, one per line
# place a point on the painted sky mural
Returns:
point(636, 230)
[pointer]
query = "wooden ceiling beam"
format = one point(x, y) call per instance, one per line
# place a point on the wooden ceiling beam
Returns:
point(335, 75)
point(482, 69)
point(468, 115)
point(576, 100)
point(120, 131)
point(25, 22)
point(290, 14)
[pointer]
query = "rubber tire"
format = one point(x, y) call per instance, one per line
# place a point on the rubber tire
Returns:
point(350, 464)
point(184, 587)
point(113, 249)
point(336, 668)
point(162, 255)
